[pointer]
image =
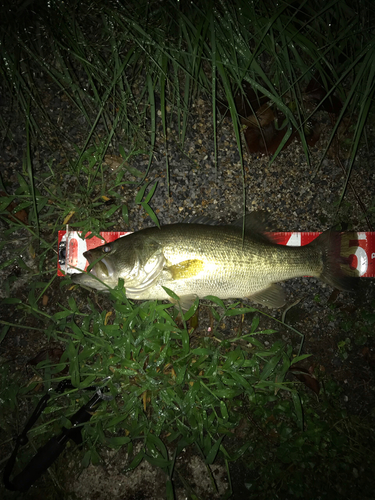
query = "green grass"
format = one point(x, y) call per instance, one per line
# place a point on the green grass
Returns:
point(117, 66)
point(171, 389)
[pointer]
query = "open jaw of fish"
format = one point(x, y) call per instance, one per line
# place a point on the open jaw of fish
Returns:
point(196, 260)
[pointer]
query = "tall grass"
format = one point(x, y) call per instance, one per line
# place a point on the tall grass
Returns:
point(117, 63)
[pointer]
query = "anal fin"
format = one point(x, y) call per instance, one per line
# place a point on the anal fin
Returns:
point(273, 296)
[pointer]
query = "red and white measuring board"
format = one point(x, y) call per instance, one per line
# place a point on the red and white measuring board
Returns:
point(71, 248)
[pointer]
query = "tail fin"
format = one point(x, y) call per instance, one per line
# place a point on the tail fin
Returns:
point(337, 271)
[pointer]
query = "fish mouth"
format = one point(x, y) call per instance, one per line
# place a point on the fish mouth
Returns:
point(101, 267)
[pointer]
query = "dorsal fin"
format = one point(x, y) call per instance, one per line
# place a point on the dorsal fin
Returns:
point(201, 219)
point(257, 221)
point(256, 224)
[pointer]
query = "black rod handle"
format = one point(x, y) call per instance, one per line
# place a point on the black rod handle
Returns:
point(39, 463)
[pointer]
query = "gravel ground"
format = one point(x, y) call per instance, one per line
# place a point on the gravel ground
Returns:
point(298, 198)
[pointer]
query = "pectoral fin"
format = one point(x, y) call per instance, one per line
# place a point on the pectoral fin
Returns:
point(273, 296)
point(186, 269)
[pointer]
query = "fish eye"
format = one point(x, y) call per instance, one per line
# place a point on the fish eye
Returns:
point(106, 249)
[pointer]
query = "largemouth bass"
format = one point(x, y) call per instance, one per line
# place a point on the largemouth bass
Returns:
point(196, 260)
